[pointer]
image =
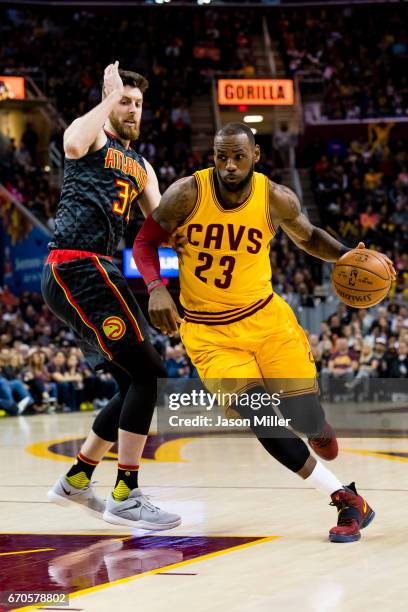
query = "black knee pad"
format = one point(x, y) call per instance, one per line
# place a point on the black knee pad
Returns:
point(106, 423)
point(305, 413)
point(122, 378)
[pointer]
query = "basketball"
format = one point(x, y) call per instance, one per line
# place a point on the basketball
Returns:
point(361, 278)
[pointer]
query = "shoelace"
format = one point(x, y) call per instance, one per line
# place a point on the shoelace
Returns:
point(149, 504)
point(144, 502)
point(342, 520)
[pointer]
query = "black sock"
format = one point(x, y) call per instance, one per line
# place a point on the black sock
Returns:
point(126, 481)
point(81, 472)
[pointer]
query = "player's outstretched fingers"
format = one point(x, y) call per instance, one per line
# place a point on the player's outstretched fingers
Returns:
point(390, 265)
point(387, 260)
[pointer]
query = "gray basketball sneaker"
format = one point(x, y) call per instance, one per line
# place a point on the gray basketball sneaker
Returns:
point(64, 494)
point(137, 511)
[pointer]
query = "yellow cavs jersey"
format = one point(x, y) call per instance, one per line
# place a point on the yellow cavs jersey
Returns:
point(225, 273)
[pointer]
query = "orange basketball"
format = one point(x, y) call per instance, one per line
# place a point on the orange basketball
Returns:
point(361, 278)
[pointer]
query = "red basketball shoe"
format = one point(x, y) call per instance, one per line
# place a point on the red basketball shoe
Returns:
point(353, 514)
point(324, 443)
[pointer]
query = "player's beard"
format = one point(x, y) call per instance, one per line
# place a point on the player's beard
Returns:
point(237, 186)
point(126, 132)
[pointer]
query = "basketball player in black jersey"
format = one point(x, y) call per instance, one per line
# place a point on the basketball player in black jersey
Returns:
point(103, 179)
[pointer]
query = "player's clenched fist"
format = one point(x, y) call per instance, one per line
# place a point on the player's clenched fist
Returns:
point(111, 79)
point(163, 312)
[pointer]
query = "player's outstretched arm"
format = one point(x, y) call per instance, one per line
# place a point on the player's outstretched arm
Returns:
point(175, 206)
point(286, 211)
point(85, 134)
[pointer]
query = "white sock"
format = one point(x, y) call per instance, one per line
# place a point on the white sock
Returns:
point(323, 480)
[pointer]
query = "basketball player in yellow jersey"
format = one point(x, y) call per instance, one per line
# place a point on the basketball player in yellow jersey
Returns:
point(235, 327)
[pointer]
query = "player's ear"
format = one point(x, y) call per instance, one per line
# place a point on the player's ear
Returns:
point(257, 154)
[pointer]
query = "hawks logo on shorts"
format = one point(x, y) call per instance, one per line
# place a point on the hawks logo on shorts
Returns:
point(114, 328)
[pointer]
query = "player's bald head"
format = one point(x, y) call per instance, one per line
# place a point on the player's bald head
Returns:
point(235, 129)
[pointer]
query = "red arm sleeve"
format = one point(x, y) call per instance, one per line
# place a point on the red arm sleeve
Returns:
point(145, 249)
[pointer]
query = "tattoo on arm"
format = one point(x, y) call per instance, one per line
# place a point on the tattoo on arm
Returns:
point(285, 206)
point(176, 204)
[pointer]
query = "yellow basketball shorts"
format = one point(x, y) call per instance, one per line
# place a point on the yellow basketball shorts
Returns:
point(269, 345)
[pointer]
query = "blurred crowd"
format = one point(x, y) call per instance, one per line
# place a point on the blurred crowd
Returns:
point(24, 177)
point(66, 52)
point(361, 190)
point(356, 347)
point(41, 368)
point(359, 55)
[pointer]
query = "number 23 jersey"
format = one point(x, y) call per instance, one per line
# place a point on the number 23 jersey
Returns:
point(97, 195)
point(226, 265)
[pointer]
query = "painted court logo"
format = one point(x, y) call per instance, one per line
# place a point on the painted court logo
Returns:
point(114, 328)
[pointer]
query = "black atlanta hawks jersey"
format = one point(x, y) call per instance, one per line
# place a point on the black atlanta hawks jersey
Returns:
point(97, 195)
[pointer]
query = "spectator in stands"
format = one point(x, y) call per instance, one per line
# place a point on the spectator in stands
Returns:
point(378, 136)
point(367, 369)
point(22, 158)
point(283, 141)
point(342, 368)
point(30, 141)
point(167, 173)
point(67, 378)
point(14, 395)
point(176, 362)
point(74, 376)
point(351, 54)
point(398, 363)
point(38, 379)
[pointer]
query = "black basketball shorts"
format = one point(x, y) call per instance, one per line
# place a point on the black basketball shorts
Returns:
point(89, 294)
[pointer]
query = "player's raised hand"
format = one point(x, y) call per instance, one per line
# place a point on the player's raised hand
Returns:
point(111, 79)
point(163, 312)
point(386, 259)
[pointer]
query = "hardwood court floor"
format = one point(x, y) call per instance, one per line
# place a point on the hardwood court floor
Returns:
point(253, 538)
